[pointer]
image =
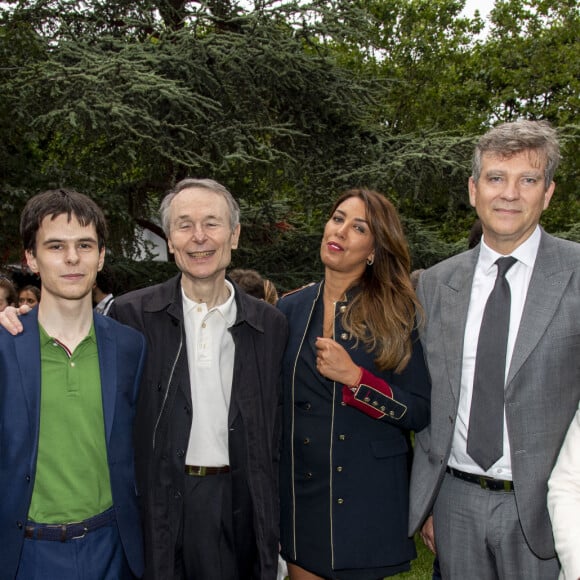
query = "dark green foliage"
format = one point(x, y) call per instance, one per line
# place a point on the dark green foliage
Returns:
point(286, 103)
point(130, 275)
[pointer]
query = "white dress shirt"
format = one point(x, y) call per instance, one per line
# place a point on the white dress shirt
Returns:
point(105, 304)
point(210, 356)
point(518, 277)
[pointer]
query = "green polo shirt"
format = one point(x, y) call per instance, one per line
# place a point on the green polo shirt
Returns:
point(72, 474)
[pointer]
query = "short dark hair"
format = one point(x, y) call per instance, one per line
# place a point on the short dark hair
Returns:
point(30, 288)
point(55, 202)
point(105, 280)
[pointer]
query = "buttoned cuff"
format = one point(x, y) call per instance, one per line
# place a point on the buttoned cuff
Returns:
point(374, 397)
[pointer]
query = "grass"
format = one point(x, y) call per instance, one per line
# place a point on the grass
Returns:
point(422, 567)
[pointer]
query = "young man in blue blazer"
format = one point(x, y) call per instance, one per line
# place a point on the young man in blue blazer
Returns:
point(68, 390)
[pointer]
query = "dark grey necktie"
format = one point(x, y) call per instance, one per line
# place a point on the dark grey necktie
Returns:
point(485, 436)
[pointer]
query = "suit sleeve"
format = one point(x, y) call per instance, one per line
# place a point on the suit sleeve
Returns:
point(564, 502)
point(373, 396)
point(403, 399)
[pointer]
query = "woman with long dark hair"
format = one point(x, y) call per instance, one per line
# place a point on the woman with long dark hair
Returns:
point(355, 385)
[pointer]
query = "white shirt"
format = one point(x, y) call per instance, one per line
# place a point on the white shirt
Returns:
point(518, 277)
point(210, 356)
point(104, 305)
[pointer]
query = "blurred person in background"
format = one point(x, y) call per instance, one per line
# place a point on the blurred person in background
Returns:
point(103, 291)
point(249, 281)
point(270, 292)
point(29, 295)
point(8, 296)
point(564, 502)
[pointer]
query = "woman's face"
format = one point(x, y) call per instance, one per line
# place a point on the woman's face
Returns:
point(27, 297)
point(347, 242)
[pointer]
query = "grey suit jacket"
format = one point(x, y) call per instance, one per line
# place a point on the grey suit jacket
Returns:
point(543, 384)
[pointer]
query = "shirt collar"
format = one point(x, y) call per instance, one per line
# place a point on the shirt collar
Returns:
point(45, 338)
point(525, 253)
point(105, 300)
point(226, 309)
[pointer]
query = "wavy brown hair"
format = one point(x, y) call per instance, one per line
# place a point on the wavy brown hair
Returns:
point(382, 315)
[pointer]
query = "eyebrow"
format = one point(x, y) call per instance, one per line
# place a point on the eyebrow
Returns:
point(188, 218)
point(61, 240)
point(531, 172)
point(356, 219)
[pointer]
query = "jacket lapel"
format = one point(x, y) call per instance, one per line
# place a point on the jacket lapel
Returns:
point(106, 345)
point(455, 296)
point(27, 347)
point(547, 285)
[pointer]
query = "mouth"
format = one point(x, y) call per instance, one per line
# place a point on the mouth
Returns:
point(334, 247)
point(506, 213)
point(510, 210)
point(201, 255)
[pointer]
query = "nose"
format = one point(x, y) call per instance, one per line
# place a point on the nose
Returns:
point(198, 234)
point(342, 229)
point(72, 256)
point(511, 191)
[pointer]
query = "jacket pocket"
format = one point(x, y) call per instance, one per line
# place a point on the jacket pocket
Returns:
point(389, 448)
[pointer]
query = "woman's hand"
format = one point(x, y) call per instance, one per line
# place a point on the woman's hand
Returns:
point(334, 363)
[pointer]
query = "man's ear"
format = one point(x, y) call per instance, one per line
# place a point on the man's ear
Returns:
point(236, 236)
point(101, 258)
point(31, 261)
point(549, 193)
point(472, 185)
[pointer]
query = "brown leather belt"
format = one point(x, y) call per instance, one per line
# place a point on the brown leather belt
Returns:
point(201, 471)
point(70, 531)
point(483, 481)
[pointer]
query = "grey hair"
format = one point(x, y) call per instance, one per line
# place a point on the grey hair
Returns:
point(509, 139)
point(189, 183)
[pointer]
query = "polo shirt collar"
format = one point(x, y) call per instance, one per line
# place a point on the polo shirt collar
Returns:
point(227, 309)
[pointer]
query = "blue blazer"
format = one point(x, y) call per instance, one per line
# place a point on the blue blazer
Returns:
point(121, 356)
point(368, 458)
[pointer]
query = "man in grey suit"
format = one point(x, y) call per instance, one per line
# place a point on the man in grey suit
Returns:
point(488, 519)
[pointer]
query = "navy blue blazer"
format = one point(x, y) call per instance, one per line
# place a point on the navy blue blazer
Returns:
point(368, 459)
point(121, 356)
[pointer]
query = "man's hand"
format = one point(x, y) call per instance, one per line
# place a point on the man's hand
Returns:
point(9, 318)
point(428, 534)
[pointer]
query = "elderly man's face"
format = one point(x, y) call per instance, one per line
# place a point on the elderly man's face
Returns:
point(201, 238)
